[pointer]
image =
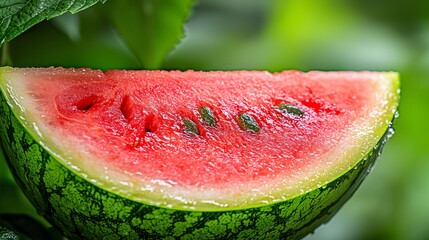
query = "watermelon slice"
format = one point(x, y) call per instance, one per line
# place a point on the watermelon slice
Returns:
point(172, 154)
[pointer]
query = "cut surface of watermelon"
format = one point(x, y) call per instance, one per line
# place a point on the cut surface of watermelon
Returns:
point(204, 140)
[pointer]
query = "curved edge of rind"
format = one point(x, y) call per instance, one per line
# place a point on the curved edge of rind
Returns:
point(82, 210)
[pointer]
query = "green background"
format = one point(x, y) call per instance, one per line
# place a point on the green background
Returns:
point(275, 35)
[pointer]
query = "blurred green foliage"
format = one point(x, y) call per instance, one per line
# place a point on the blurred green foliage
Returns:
point(275, 35)
point(149, 28)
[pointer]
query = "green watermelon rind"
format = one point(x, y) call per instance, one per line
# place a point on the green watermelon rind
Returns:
point(81, 210)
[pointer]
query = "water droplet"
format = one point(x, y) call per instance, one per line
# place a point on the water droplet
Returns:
point(390, 132)
point(396, 114)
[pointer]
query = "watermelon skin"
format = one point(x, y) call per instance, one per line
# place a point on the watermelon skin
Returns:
point(82, 210)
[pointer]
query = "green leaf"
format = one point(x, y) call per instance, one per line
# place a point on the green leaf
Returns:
point(150, 28)
point(16, 16)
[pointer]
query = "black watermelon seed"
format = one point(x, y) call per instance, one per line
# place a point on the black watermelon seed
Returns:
point(208, 116)
point(248, 123)
point(190, 127)
point(291, 109)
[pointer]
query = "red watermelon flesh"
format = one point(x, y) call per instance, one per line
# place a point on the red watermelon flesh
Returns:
point(124, 130)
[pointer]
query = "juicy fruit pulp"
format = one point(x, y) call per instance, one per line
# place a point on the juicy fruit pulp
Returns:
point(130, 130)
point(260, 139)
